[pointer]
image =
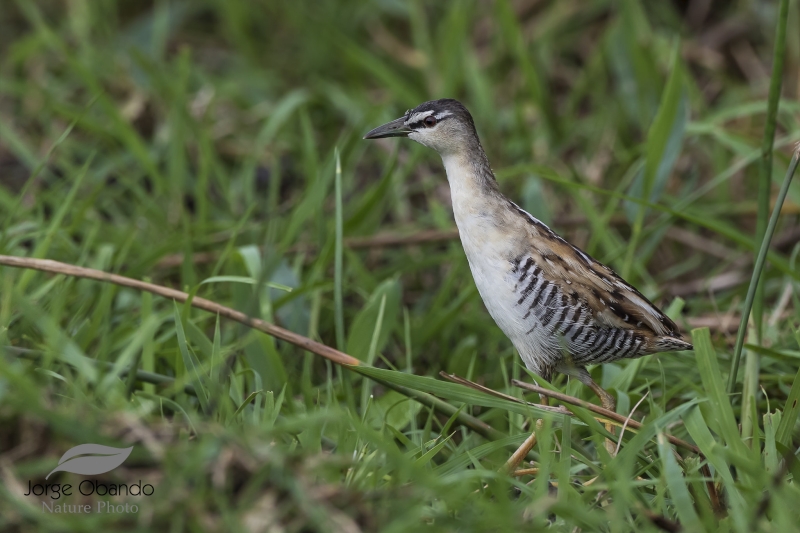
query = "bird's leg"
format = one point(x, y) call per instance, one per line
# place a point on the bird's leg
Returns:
point(608, 403)
point(518, 456)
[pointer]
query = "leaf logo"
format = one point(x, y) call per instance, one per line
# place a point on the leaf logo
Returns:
point(96, 459)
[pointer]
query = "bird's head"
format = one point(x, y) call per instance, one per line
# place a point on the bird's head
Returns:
point(444, 125)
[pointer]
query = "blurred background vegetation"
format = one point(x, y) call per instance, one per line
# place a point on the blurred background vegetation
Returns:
point(193, 141)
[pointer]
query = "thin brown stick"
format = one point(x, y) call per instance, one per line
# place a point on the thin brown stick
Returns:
point(336, 356)
point(600, 411)
point(525, 472)
point(520, 453)
point(623, 421)
point(719, 509)
point(56, 267)
point(341, 358)
point(717, 505)
point(561, 410)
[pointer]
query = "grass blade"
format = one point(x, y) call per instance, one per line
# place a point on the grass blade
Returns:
point(712, 383)
point(338, 258)
point(759, 266)
point(246, 402)
point(663, 143)
point(765, 170)
point(430, 454)
point(783, 434)
point(678, 488)
point(190, 362)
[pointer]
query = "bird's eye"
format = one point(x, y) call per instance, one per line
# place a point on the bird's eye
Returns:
point(430, 121)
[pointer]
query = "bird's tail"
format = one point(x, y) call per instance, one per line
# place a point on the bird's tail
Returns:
point(671, 344)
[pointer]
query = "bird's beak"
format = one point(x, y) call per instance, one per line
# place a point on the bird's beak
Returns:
point(395, 128)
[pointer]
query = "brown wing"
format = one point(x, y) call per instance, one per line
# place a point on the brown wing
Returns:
point(612, 300)
point(616, 303)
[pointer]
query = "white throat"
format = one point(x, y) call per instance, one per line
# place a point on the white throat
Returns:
point(462, 179)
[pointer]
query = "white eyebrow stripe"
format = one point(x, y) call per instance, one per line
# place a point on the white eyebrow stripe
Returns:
point(416, 117)
point(443, 114)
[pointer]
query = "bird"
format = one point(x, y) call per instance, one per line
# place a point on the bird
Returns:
point(561, 308)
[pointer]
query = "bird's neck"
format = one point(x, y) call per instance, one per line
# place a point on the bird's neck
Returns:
point(481, 212)
point(473, 187)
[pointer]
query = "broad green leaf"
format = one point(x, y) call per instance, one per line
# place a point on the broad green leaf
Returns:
point(338, 259)
point(715, 389)
point(199, 340)
point(714, 453)
point(678, 487)
point(633, 67)
point(251, 256)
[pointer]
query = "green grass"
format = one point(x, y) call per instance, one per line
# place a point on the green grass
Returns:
point(229, 132)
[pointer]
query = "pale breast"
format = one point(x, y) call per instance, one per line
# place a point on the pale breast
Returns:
point(488, 252)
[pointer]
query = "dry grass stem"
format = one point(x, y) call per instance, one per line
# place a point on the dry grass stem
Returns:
point(56, 267)
point(612, 416)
